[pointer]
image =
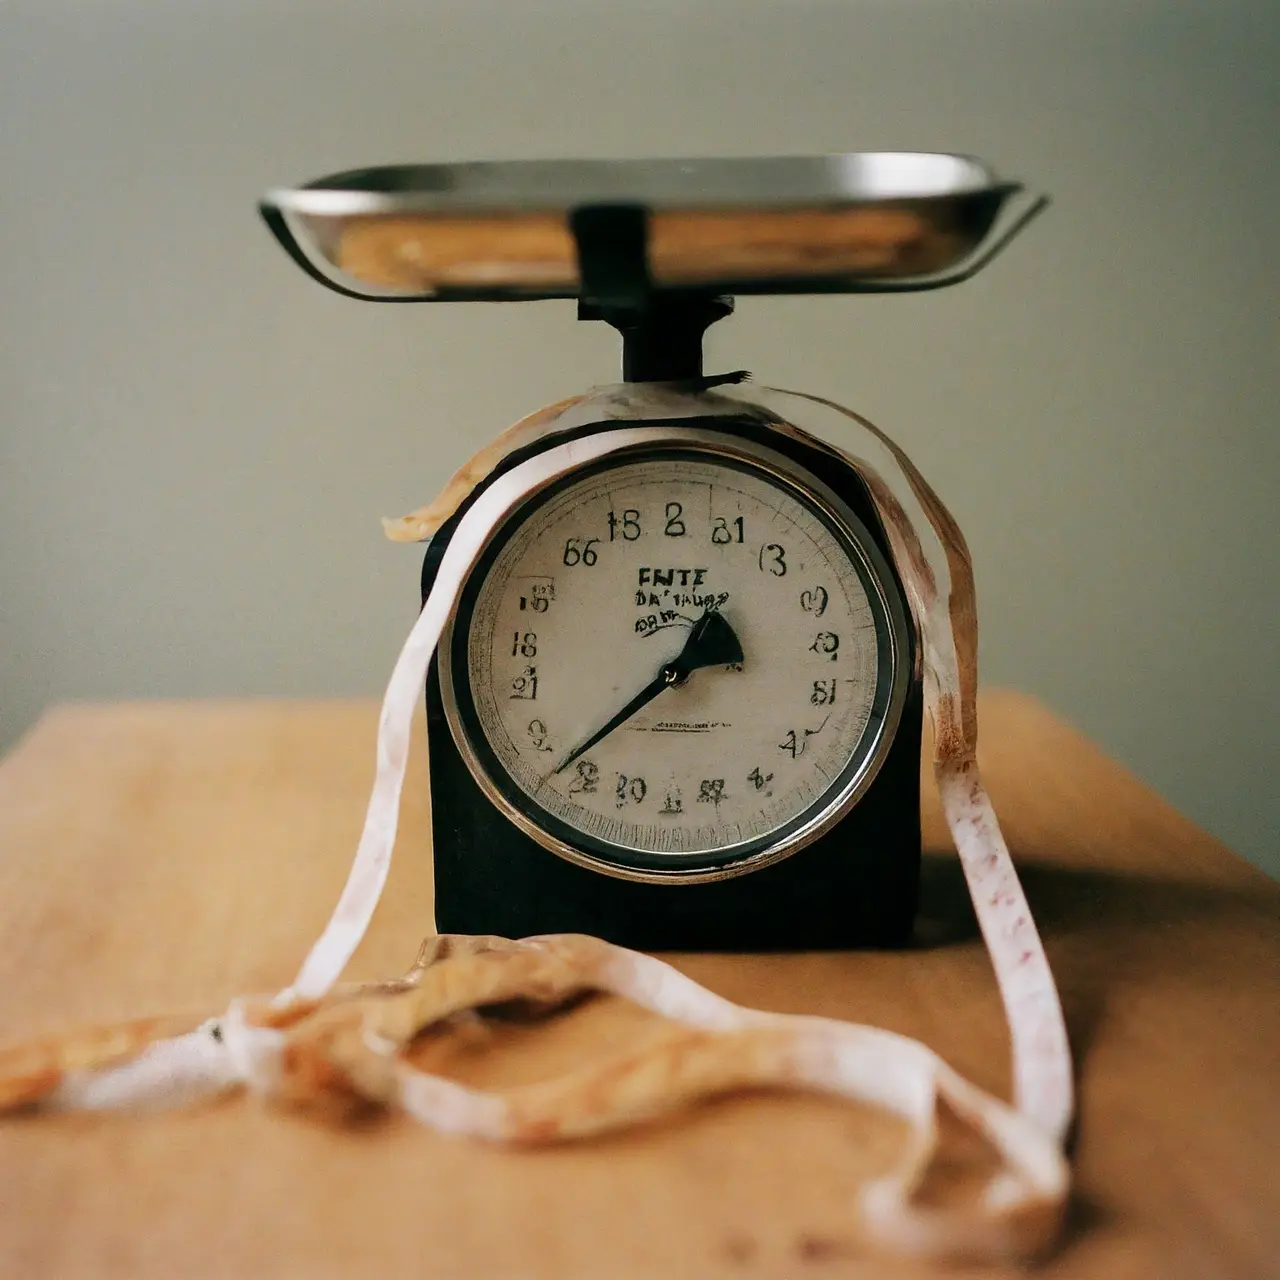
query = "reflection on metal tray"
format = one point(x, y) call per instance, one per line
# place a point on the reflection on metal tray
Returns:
point(862, 222)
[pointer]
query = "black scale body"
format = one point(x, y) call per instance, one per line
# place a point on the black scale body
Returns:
point(855, 886)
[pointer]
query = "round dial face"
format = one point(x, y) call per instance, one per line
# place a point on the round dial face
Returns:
point(676, 662)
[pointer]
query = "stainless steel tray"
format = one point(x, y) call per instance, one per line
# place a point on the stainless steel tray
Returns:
point(860, 222)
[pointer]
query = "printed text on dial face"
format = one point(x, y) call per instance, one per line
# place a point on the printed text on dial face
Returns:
point(597, 590)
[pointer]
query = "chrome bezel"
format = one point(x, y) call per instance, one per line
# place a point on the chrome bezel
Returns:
point(890, 697)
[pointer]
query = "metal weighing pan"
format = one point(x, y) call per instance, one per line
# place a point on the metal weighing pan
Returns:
point(864, 222)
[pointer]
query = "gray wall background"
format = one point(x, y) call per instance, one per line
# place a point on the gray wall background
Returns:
point(196, 441)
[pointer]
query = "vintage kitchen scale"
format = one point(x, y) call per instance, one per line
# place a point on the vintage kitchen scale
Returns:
point(678, 702)
point(678, 638)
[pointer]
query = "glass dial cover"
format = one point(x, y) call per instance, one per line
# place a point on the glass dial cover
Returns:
point(567, 679)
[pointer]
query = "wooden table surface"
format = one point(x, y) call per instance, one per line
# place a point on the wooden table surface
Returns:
point(164, 856)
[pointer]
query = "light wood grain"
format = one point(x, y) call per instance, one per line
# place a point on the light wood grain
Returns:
point(164, 856)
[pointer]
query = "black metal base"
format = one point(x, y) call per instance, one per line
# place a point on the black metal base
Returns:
point(855, 886)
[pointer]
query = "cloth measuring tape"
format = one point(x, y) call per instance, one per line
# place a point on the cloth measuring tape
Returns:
point(259, 1044)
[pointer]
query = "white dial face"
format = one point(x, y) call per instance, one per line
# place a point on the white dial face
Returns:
point(719, 609)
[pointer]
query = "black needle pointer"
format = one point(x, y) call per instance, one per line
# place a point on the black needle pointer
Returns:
point(711, 643)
